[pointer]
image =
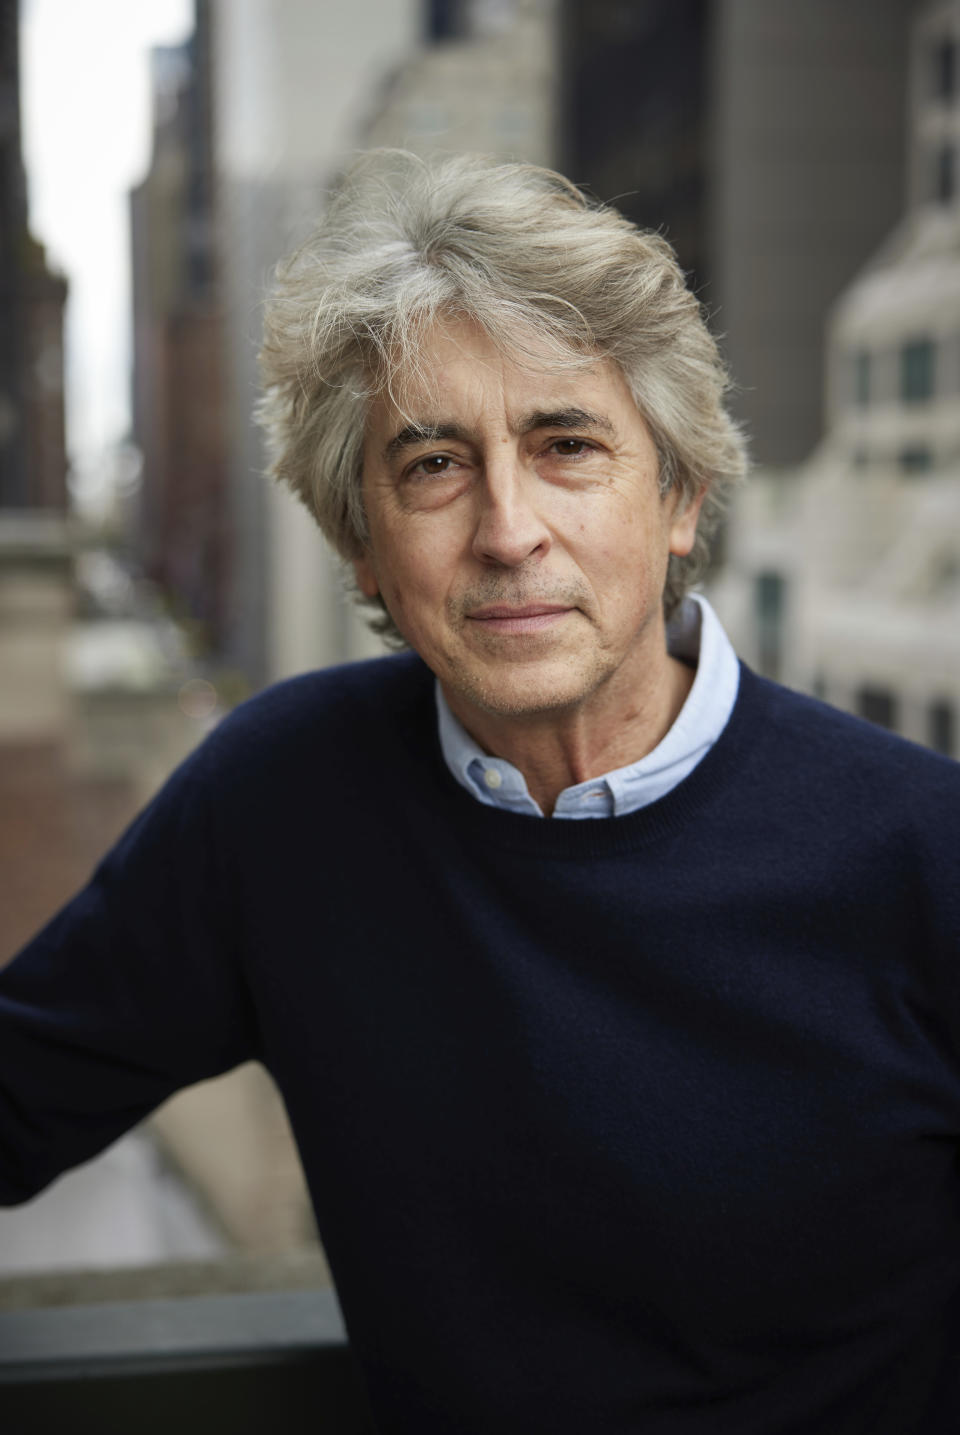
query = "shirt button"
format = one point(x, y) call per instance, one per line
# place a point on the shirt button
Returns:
point(492, 777)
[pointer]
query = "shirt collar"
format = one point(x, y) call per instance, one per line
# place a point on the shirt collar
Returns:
point(695, 635)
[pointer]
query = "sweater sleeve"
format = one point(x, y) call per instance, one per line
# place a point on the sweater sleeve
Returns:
point(132, 991)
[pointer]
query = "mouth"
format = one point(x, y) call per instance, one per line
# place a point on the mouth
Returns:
point(524, 618)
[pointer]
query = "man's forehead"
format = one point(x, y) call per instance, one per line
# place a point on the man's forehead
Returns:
point(458, 377)
point(457, 351)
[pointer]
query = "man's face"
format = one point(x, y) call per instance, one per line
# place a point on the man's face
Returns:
point(517, 534)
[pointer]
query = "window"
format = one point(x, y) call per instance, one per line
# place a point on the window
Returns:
point(861, 378)
point(916, 371)
point(941, 727)
point(769, 603)
point(445, 19)
point(946, 176)
point(945, 574)
point(914, 459)
point(878, 705)
point(945, 68)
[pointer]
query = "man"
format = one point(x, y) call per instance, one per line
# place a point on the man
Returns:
point(612, 990)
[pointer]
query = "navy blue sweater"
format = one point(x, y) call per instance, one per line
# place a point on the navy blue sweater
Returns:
point(638, 1125)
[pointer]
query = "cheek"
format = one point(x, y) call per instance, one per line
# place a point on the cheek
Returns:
point(365, 576)
point(393, 591)
point(411, 591)
point(424, 564)
point(635, 544)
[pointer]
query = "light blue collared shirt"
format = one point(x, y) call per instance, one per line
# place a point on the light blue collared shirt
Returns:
point(695, 635)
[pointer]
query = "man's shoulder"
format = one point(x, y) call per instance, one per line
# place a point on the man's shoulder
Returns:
point(327, 691)
point(327, 711)
point(839, 752)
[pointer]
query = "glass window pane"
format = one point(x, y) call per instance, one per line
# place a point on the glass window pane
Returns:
point(945, 69)
point(946, 174)
point(916, 370)
point(445, 19)
point(769, 603)
point(878, 705)
point(941, 727)
point(915, 459)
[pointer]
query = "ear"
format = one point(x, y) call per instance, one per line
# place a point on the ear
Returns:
point(683, 526)
point(363, 572)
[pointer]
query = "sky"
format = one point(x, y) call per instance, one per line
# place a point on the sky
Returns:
point(85, 102)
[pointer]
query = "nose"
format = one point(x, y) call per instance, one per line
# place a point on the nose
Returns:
point(510, 527)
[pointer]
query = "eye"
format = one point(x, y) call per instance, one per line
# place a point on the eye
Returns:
point(432, 465)
point(571, 447)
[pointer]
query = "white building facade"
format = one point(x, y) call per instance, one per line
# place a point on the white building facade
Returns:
point(843, 577)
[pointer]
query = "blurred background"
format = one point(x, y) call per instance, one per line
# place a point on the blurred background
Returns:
point(157, 159)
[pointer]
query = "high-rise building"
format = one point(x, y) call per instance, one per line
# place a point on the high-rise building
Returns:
point(634, 122)
point(13, 208)
point(182, 527)
point(293, 84)
point(33, 461)
point(767, 140)
point(486, 82)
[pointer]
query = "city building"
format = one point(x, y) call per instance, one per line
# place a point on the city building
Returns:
point(33, 458)
point(768, 142)
point(293, 82)
point(844, 577)
point(182, 528)
point(487, 82)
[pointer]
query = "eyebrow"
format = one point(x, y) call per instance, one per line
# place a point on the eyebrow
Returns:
point(412, 434)
point(569, 418)
point(572, 418)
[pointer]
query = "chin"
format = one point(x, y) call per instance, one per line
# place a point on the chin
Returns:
point(515, 692)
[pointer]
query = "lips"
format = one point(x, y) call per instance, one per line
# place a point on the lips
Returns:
point(504, 618)
point(529, 610)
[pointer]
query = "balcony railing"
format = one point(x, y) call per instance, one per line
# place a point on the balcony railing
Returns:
point(242, 1364)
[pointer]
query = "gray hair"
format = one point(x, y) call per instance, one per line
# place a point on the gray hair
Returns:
point(537, 265)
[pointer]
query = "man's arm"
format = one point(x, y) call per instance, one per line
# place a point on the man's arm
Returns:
point(133, 990)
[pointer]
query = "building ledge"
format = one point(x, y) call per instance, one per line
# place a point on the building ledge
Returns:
point(241, 1363)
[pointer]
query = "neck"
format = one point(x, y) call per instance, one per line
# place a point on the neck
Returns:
point(557, 750)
